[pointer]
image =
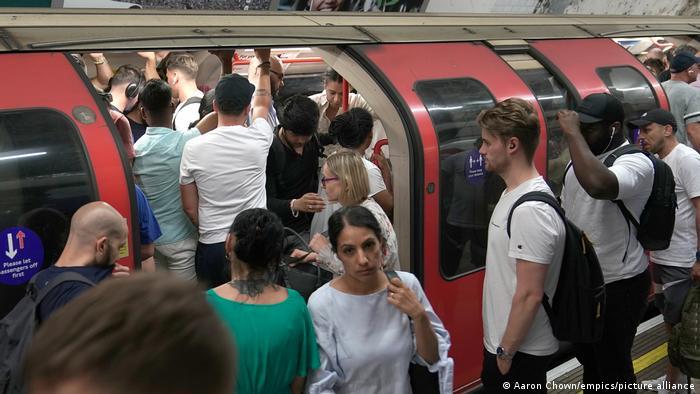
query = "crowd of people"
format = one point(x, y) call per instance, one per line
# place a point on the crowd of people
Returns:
point(225, 173)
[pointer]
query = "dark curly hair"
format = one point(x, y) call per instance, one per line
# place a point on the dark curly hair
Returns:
point(300, 115)
point(352, 128)
point(259, 239)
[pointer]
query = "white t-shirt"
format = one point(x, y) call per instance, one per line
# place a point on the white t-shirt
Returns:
point(602, 220)
point(228, 166)
point(186, 114)
point(376, 181)
point(685, 164)
point(537, 235)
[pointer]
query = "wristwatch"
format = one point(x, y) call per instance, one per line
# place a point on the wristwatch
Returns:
point(503, 354)
point(697, 255)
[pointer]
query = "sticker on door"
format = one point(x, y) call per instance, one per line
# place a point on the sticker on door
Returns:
point(21, 255)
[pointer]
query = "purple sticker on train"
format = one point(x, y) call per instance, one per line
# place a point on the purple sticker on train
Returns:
point(474, 167)
point(21, 255)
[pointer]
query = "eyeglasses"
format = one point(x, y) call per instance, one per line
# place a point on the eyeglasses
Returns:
point(325, 180)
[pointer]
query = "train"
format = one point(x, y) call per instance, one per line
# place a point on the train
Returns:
point(427, 76)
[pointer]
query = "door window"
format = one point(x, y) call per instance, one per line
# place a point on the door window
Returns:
point(468, 193)
point(44, 177)
point(552, 97)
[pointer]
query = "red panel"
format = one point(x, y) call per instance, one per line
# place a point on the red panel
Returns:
point(457, 302)
point(578, 59)
point(48, 80)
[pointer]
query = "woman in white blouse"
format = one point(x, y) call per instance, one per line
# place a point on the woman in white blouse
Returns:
point(369, 329)
point(345, 180)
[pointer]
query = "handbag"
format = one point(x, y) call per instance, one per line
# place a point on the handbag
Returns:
point(296, 274)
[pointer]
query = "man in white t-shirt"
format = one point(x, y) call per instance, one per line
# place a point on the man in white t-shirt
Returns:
point(222, 173)
point(675, 267)
point(520, 269)
point(181, 72)
point(590, 188)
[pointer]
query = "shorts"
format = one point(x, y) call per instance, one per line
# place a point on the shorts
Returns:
point(670, 299)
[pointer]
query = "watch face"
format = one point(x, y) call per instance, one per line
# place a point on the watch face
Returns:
point(500, 351)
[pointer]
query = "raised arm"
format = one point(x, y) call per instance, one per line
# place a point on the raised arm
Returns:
point(102, 69)
point(149, 69)
point(595, 178)
point(262, 98)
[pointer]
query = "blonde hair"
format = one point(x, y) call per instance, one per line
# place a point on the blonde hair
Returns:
point(351, 172)
point(513, 117)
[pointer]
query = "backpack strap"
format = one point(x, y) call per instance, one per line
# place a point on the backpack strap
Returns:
point(551, 201)
point(191, 100)
point(609, 161)
point(58, 280)
point(535, 196)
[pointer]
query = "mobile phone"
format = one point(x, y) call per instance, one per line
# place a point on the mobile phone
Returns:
point(391, 275)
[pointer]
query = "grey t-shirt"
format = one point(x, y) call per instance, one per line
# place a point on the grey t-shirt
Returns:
point(685, 105)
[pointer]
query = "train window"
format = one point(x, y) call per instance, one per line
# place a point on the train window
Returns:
point(552, 97)
point(468, 193)
point(629, 86)
point(44, 177)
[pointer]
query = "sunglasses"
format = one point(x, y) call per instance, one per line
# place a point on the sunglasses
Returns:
point(325, 180)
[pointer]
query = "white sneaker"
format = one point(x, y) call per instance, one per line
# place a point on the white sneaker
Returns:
point(654, 384)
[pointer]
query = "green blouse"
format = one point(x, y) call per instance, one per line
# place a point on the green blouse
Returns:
point(275, 342)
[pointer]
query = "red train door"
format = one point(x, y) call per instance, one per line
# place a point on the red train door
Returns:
point(601, 65)
point(441, 89)
point(56, 154)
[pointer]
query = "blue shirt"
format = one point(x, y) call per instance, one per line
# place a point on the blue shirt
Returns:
point(157, 166)
point(148, 225)
point(66, 292)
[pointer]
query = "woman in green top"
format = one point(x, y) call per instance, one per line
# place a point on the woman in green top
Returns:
point(271, 325)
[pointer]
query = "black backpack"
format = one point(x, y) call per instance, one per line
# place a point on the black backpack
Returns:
point(655, 226)
point(17, 330)
point(577, 310)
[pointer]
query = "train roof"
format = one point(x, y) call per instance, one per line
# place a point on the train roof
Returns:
point(23, 29)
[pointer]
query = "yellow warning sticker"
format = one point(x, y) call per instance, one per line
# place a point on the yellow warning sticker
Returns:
point(124, 250)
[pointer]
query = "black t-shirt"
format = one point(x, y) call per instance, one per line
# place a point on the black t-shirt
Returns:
point(289, 176)
point(64, 293)
point(137, 129)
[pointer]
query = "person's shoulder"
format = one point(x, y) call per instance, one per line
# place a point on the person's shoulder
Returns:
point(295, 299)
point(319, 298)
point(409, 279)
point(317, 97)
point(369, 165)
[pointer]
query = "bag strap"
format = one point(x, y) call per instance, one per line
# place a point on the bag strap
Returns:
point(551, 201)
point(610, 160)
point(191, 100)
point(60, 279)
point(536, 196)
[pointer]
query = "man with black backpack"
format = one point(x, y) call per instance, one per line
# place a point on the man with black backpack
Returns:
point(598, 196)
point(97, 232)
point(674, 267)
point(523, 264)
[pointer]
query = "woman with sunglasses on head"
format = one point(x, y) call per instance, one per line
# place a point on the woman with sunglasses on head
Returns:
point(271, 325)
point(369, 329)
point(344, 179)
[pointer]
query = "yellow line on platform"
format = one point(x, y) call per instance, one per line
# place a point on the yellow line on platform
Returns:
point(648, 359)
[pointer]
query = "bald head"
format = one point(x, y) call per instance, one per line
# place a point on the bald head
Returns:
point(276, 73)
point(97, 230)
